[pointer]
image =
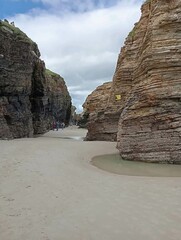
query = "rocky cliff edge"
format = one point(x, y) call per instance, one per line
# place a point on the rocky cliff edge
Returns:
point(31, 97)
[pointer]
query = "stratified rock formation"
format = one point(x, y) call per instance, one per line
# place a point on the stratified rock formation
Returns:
point(146, 91)
point(94, 107)
point(150, 123)
point(30, 96)
point(54, 104)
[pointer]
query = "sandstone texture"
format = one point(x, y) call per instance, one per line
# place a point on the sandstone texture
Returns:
point(150, 122)
point(31, 97)
point(99, 125)
point(144, 104)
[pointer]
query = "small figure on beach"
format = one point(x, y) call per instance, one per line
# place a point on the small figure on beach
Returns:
point(54, 125)
point(57, 125)
point(62, 125)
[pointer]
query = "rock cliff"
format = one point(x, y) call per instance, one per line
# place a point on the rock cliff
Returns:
point(150, 122)
point(99, 128)
point(145, 97)
point(30, 96)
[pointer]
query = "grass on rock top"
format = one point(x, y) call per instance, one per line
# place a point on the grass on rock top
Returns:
point(50, 73)
point(5, 26)
point(53, 74)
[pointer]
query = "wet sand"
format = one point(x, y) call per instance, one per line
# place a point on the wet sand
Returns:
point(50, 191)
point(115, 164)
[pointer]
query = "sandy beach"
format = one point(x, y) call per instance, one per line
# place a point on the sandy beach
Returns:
point(50, 191)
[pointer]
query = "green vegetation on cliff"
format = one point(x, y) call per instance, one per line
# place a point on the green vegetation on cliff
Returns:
point(52, 74)
point(9, 27)
point(132, 33)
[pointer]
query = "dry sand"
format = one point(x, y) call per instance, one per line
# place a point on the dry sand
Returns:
point(50, 191)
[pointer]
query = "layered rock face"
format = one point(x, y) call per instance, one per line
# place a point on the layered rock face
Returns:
point(145, 96)
point(30, 97)
point(150, 123)
point(94, 107)
point(53, 103)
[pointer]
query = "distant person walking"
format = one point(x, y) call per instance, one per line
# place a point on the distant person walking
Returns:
point(54, 125)
point(57, 125)
point(63, 125)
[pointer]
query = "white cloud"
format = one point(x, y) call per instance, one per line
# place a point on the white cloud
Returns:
point(79, 5)
point(81, 46)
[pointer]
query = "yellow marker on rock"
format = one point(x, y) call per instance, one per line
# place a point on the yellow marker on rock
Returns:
point(118, 97)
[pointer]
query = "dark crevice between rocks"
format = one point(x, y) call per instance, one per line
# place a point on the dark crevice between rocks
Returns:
point(37, 97)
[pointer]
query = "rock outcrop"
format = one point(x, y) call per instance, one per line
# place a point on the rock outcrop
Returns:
point(54, 104)
point(99, 127)
point(145, 96)
point(30, 96)
point(150, 122)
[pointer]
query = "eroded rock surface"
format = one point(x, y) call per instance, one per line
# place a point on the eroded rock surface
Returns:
point(30, 97)
point(99, 127)
point(145, 97)
point(150, 123)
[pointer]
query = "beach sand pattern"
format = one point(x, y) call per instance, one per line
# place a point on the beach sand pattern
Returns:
point(49, 190)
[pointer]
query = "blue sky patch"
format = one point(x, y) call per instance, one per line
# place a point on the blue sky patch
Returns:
point(12, 7)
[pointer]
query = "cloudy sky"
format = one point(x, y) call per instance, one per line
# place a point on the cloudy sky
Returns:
point(79, 39)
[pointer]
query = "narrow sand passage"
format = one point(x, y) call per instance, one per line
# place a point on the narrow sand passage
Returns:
point(50, 191)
